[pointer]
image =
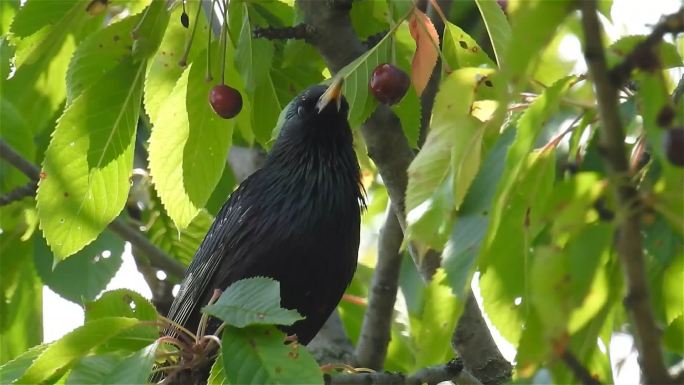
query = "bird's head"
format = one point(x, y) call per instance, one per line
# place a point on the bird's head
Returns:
point(319, 111)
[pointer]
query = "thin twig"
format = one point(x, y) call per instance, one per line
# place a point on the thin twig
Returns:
point(429, 375)
point(629, 241)
point(118, 226)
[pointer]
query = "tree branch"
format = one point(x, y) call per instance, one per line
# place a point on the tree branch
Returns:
point(387, 145)
point(629, 242)
point(580, 372)
point(374, 338)
point(21, 192)
point(118, 226)
point(430, 375)
point(332, 345)
point(477, 348)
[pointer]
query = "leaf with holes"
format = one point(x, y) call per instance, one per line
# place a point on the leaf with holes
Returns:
point(129, 304)
point(460, 50)
point(448, 160)
point(258, 355)
point(88, 161)
point(427, 43)
point(252, 301)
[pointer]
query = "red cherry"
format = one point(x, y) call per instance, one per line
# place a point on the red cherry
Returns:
point(673, 144)
point(226, 101)
point(389, 84)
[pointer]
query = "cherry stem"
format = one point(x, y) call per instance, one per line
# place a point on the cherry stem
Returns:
point(184, 59)
point(225, 41)
point(202, 327)
point(211, 22)
point(220, 329)
point(174, 341)
point(179, 327)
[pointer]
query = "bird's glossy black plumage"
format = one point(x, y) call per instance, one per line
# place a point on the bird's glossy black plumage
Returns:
point(295, 220)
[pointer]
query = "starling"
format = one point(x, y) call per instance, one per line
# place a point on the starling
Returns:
point(295, 220)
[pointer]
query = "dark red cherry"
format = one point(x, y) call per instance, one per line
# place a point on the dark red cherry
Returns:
point(226, 101)
point(389, 84)
point(673, 145)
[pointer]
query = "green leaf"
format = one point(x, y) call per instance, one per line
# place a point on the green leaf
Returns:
point(530, 125)
point(63, 353)
point(674, 336)
point(6, 54)
point(653, 97)
point(18, 135)
point(440, 311)
point(8, 9)
point(447, 161)
point(461, 50)
point(36, 14)
point(431, 167)
point(20, 288)
point(95, 266)
point(533, 25)
point(253, 59)
point(497, 27)
point(90, 370)
point(618, 51)
point(99, 54)
point(463, 246)
point(188, 147)
point(134, 369)
point(258, 355)
point(163, 70)
point(505, 272)
point(408, 111)
point(672, 295)
point(217, 375)
point(148, 34)
point(37, 88)
point(356, 77)
point(560, 280)
point(181, 244)
point(252, 301)
point(89, 160)
point(129, 304)
point(12, 370)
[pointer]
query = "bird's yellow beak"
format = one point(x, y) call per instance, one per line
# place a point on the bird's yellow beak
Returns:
point(333, 93)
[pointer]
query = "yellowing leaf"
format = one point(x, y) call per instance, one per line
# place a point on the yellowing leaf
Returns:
point(425, 58)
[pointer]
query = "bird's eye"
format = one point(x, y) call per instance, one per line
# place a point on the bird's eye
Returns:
point(301, 111)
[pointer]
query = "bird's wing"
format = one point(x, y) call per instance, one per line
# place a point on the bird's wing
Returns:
point(214, 252)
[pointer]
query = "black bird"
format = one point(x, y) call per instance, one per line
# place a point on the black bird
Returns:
point(295, 220)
